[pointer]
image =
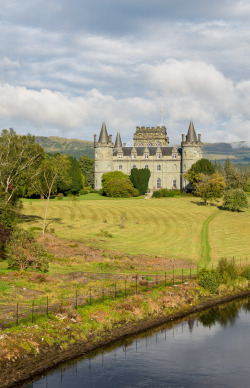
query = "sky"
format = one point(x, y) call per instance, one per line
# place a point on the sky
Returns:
point(68, 65)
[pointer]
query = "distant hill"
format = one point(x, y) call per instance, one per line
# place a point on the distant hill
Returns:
point(238, 152)
point(62, 145)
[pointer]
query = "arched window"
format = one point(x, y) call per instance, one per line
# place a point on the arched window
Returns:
point(120, 167)
point(134, 166)
point(174, 184)
point(146, 156)
point(159, 167)
point(158, 156)
point(158, 183)
point(146, 166)
point(174, 156)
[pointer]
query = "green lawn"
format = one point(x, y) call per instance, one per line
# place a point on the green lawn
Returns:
point(170, 227)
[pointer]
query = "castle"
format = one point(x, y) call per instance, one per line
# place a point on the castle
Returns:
point(151, 150)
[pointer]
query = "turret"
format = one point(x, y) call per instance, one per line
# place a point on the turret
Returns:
point(192, 150)
point(103, 155)
point(118, 141)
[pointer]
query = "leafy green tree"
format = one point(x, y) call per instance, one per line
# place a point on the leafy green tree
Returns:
point(20, 158)
point(51, 171)
point(210, 187)
point(235, 200)
point(202, 166)
point(140, 178)
point(87, 166)
point(113, 175)
point(118, 188)
point(24, 252)
point(75, 184)
point(233, 177)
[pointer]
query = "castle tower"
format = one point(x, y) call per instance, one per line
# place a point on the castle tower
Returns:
point(192, 150)
point(118, 141)
point(103, 155)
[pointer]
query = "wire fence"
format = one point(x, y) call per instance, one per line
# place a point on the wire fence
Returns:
point(114, 288)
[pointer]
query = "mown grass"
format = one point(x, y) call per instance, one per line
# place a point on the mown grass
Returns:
point(170, 227)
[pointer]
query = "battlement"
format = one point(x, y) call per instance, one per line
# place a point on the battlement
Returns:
point(151, 136)
point(143, 129)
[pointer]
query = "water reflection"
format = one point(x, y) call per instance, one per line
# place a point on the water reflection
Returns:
point(208, 349)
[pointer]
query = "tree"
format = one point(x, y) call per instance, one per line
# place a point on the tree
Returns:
point(75, 184)
point(235, 200)
point(210, 187)
point(202, 166)
point(118, 188)
point(20, 158)
point(113, 175)
point(87, 166)
point(140, 178)
point(23, 252)
point(233, 177)
point(51, 171)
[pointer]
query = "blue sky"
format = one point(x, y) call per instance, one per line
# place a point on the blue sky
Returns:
point(67, 65)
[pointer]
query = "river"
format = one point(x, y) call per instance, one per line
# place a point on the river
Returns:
point(209, 349)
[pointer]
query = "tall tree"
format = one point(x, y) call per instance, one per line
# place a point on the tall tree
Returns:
point(87, 169)
point(210, 187)
point(51, 171)
point(202, 166)
point(140, 178)
point(234, 178)
point(75, 184)
point(20, 158)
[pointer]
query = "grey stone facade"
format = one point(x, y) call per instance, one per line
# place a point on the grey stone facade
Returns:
point(151, 150)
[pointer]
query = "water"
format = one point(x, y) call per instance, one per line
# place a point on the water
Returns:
point(211, 349)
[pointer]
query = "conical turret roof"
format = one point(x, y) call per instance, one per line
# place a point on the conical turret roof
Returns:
point(118, 141)
point(191, 135)
point(103, 138)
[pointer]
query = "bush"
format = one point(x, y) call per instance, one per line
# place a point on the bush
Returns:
point(119, 188)
point(83, 192)
point(227, 270)
point(209, 279)
point(246, 273)
point(60, 196)
point(24, 252)
point(235, 200)
point(157, 194)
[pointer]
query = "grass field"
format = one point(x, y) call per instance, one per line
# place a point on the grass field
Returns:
point(176, 228)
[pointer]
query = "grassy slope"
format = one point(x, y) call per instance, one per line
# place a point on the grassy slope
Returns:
point(170, 227)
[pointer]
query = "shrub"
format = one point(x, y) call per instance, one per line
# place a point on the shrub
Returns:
point(156, 194)
point(60, 196)
point(24, 252)
point(83, 192)
point(139, 178)
point(246, 273)
point(209, 279)
point(235, 200)
point(227, 270)
point(119, 188)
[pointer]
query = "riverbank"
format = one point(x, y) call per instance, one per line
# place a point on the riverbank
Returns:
point(27, 351)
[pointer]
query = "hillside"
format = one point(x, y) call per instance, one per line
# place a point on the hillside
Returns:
point(237, 152)
point(62, 145)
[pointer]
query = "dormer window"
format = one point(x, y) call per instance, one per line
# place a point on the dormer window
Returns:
point(146, 166)
point(146, 156)
point(174, 156)
point(134, 156)
point(120, 156)
point(158, 156)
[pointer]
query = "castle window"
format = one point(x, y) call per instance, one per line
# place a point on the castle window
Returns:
point(158, 183)
point(120, 167)
point(174, 156)
point(120, 156)
point(174, 184)
point(133, 156)
point(146, 166)
point(159, 167)
point(146, 156)
point(158, 156)
point(134, 166)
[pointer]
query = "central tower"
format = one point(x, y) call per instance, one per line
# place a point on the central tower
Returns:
point(149, 137)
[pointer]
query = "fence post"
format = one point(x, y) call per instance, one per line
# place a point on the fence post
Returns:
point(76, 299)
point(156, 279)
point(136, 280)
point(115, 290)
point(103, 293)
point(32, 311)
point(17, 317)
point(47, 305)
point(90, 301)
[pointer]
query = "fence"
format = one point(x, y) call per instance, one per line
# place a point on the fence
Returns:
point(137, 284)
